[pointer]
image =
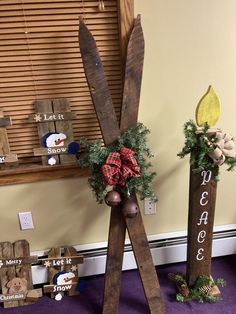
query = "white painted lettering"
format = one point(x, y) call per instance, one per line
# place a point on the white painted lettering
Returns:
point(201, 236)
point(9, 297)
point(203, 218)
point(53, 117)
point(204, 196)
point(56, 150)
point(68, 261)
point(57, 262)
point(199, 256)
point(13, 262)
point(206, 176)
point(61, 288)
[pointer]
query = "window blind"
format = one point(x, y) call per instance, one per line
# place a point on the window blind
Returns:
point(40, 59)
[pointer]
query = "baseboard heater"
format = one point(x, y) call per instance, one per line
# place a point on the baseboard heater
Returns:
point(165, 248)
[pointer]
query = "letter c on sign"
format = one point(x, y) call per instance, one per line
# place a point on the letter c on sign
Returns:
point(201, 236)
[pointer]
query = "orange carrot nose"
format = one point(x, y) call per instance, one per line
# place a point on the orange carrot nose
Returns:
point(57, 142)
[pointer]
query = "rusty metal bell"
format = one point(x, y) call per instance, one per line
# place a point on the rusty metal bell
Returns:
point(130, 209)
point(113, 198)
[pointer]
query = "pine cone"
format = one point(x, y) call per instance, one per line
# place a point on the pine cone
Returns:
point(205, 289)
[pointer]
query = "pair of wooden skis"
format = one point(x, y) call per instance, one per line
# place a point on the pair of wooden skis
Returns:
point(111, 130)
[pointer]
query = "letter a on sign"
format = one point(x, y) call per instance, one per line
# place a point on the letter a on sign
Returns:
point(203, 218)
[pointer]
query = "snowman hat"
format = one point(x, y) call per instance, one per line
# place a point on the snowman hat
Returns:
point(55, 278)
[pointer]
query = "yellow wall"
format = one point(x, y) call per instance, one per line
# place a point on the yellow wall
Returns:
point(189, 45)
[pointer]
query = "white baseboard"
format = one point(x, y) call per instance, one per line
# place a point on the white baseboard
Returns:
point(166, 248)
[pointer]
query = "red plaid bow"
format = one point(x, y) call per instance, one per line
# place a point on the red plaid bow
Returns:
point(120, 166)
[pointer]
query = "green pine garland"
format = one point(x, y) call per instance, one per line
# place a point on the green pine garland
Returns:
point(196, 292)
point(197, 146)
point(95, 155)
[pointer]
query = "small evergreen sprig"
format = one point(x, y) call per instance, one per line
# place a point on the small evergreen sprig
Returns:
point(197, 145)
point(94, 156)
point(200, 290)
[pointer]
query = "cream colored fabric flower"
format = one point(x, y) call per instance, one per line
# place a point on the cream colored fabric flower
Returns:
point(225, 147)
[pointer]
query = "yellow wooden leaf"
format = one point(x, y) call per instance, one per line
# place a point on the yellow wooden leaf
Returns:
point(208, 109)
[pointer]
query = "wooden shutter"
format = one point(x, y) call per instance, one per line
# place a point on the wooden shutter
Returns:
point(40, 59)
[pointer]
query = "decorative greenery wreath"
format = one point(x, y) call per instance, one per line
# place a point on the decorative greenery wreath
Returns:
point(122, 166)
point(209, 147)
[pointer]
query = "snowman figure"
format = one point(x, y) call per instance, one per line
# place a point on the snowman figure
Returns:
point(53, 139)
point(63, 278)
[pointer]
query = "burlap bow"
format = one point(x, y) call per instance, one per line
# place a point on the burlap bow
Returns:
point(223, 145)
point(120, 166)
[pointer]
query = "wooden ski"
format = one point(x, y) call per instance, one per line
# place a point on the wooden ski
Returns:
point(110, 130)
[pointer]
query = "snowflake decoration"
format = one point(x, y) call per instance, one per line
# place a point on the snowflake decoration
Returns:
point(73, 268)
point(37, 117)
point(47, 264)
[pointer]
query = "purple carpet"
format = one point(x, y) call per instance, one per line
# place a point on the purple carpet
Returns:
point(132, 297)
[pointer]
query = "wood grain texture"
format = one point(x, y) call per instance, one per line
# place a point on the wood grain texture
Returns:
point(47, 116)
point(72, 254)
point(9, 158)
point(43, 151)
point(6, 251)
point(133, 77)
point(5, 148)
point(52, 271)
point(116, 239)
point(22, 260)
point(44, 128)
point(68, 252)
point(98, 85)
point(65, 127)
point(5, 121)
point(145, 264)
point(195, 226)
point(21, 248)
point(40, 173)
point(51, 288)
point(126, 20)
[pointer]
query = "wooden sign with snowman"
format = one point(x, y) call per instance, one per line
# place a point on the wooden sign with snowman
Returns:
point(209, 148)
point(62, 271)
point(55, 130)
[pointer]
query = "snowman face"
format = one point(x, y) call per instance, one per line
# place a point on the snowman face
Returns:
point(55, 140)
point(66, 278)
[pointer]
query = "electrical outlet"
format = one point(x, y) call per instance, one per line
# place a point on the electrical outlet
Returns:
point(26, 221)
point(149, 207)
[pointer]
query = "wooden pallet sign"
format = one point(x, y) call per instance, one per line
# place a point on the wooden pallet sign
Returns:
point(53, 118)
point(6, 157)
point(15, 273)
point(62, 272)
